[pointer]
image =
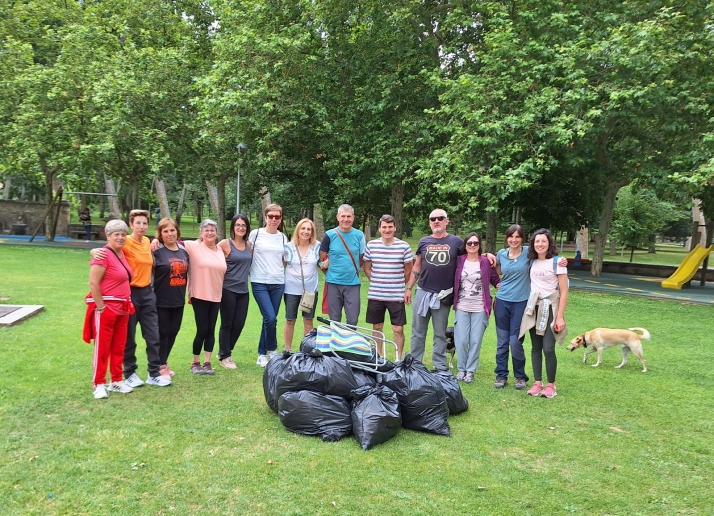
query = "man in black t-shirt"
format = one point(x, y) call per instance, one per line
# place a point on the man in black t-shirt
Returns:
point(434, 270)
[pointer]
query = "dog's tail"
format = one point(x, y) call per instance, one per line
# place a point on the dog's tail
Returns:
point(645, 334)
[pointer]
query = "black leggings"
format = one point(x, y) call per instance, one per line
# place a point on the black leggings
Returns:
point(544, 345)
point(169, 326)
point(234, 310)
point(206, 315)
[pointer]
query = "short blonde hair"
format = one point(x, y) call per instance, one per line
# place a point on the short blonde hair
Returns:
point(164, 223)
point(115, 226)
point(296, 238)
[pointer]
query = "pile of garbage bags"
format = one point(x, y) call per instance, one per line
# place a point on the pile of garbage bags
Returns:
point(319, 395)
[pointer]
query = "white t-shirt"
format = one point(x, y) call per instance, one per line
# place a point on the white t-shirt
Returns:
point(268, 251)
point(471, 289)
point(543, 279)
point(293, 279)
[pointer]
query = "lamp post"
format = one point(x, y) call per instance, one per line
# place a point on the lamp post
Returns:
point(241, 147)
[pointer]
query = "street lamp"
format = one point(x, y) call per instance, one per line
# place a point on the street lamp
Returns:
point(241, 147)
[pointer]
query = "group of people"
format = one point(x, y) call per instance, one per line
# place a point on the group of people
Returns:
point(448, 271)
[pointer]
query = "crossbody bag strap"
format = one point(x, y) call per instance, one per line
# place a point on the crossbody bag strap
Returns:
point(302, 274)
point(121, 262)
point(348, 252)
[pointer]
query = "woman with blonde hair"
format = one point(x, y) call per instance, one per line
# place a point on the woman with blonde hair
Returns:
point(267, 278)
point(301, 257)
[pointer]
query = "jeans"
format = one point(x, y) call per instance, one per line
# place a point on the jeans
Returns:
point(420, 325)
point(508, 325)
point(268, 297)
point(469, 328)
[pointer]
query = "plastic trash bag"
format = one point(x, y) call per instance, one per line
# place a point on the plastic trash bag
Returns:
point(270, 374)
point(307, 344)
point(364, 378)
point(454, 397)
point(375, 415)
point(421, 396)
point(315, 372)
point(313, 413)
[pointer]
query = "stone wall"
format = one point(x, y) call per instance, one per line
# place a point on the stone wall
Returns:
point(31, 212)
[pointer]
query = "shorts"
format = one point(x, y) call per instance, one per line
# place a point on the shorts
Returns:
point(292, 307)
point(376, 309)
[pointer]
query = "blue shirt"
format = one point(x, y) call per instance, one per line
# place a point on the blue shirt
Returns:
point(515, 281)
point(342, 270)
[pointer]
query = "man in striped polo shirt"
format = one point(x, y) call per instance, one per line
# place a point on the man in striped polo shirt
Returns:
point(388, 264)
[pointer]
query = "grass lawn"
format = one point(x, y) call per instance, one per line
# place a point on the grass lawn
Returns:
point(612, 442)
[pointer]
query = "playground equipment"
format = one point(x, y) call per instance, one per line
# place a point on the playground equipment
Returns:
point(688, 268)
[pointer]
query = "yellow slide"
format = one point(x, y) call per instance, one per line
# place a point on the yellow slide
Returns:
point(688, 268)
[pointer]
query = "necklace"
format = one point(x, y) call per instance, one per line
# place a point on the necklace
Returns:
point(515, 259)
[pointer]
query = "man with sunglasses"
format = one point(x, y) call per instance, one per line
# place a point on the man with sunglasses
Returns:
point(434, 270)
point(345, 246)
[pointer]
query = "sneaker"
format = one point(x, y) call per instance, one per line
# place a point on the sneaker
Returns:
point(120, 387)
point(549, 391)
point(134, 381)
point(272, 354)
point(500, 383)
point(460, 377)
point(164, 372)
point(158, 381)
point(100, 391)
point(520, 384)
point(197, 369)
point(228, 363)
point(469, 378)
point(536, 389)
point(262, 360)
point(208, 368)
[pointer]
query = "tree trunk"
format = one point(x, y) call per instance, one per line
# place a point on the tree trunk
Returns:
point(221, 216)
point(6, 189)
point(632, 253)
point(319, 223)
point(179, 208)
point(212, 197)
point(114, 209)
point(653, 241)
point(398, 207)
point(606, 217)
point(491, 232)
point(49, 173)
point(163, 198)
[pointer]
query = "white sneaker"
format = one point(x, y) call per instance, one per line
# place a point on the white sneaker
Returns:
point(100, 391)
point(120, 387)
point(272, 354)
point(134, 381)
point(262, 360)
point(158, 381)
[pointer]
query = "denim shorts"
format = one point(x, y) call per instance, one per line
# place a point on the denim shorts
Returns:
point(292, 307)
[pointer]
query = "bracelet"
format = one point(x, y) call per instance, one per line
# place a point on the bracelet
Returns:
point(100, 310)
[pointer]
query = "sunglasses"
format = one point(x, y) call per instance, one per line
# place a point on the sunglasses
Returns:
point(439, 218)
point(473, 244)
point(274, 217)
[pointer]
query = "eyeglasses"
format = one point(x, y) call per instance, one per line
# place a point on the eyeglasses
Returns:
point(240, 226)
point(439, 218)
point(274, 217)
point(473, 244)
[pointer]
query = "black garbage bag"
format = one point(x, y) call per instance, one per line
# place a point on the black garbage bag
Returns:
point(270, 375)
point(307, 344)
point(421, 396)
point(315, 372)
point(454, 397)
point(364, 378)
point(314, 413)
point(375, 415)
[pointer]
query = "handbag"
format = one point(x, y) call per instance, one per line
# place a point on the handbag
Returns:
point(307, 300)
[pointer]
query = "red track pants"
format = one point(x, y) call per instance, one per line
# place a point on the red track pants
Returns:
point(110, 338)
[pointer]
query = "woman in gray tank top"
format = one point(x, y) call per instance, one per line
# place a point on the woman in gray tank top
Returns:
point(234, 300)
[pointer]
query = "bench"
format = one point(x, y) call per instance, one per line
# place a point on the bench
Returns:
point(77, 232)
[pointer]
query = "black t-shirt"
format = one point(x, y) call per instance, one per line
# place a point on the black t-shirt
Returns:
point(170, 276)
point(438, 262)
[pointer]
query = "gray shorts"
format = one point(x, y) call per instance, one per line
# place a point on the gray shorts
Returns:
point(292, 307)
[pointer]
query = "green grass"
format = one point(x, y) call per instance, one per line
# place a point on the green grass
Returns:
point(612, 442)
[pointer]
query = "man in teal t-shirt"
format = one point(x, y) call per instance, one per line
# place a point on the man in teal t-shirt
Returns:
point(341, 252)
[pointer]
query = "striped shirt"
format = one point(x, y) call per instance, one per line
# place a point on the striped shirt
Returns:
point(387, 283)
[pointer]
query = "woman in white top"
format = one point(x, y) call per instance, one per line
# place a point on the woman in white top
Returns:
point(549, 295)
point(267, 278)
point(301, 257)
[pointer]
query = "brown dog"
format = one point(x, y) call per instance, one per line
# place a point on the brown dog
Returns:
point(601, 338)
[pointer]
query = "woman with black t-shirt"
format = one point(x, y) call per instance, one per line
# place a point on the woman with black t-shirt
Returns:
point(170, 277)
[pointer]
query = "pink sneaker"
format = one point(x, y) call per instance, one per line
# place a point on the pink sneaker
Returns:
point(549, 391)
point(164, 372)
point(536, 390)
point(171, 373)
